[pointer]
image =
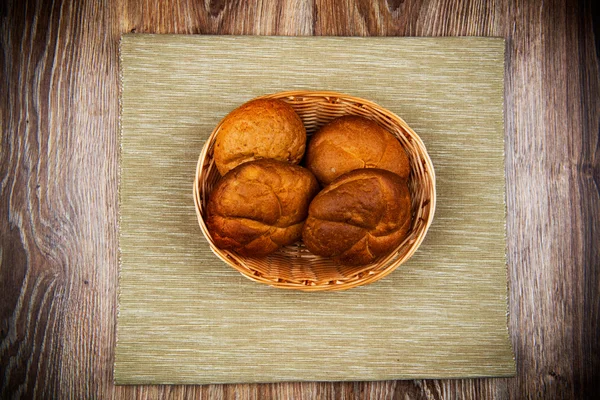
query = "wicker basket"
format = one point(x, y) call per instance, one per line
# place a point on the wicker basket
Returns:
point(294, 267)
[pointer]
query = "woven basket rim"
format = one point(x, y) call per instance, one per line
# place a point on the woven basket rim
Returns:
point(368, 276)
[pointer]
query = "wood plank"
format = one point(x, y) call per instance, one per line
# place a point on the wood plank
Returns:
point(57, 331)
point(58, 205)
point(553, 199)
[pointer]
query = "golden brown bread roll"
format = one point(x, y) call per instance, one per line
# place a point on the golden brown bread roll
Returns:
point(359, 217)
point(352, 142)
point(260, 206)
point(261, 128)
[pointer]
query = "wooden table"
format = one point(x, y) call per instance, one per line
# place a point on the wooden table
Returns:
point(58, 190)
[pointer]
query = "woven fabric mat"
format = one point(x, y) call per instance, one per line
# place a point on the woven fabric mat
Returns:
point(186, 317)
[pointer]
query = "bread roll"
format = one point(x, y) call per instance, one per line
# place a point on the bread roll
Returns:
point(359, 217)
point(352, 142)
point(260, 206)
point(259, 129)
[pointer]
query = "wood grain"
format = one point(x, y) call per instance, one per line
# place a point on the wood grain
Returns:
point(58, 198)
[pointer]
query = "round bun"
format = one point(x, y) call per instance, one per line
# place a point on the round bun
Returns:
point(352, 142)
point(262, 128)
point(359, 217)
point(260, 206)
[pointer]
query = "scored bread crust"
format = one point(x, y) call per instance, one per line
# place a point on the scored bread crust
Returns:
point(262, 128)
point(360, 217)
point(260, 206)
point(353, 142)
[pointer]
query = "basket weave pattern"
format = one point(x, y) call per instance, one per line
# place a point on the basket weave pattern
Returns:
point(294, 267)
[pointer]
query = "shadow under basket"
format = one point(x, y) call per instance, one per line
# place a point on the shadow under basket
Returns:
point(294, 267)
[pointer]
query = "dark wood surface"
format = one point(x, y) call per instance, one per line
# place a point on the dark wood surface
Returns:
point(58, 185)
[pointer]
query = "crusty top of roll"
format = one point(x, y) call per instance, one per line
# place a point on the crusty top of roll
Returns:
point(259, 206)
point(361, 216)
point(352, 142)
point(262, 128)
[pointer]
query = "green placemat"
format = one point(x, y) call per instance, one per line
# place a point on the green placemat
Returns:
point(186, 317)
